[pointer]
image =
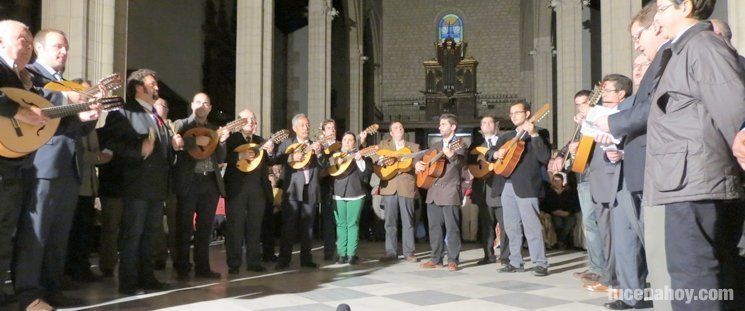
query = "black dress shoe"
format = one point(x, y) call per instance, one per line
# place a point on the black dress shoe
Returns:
point(540, 271)
point(209, 274)
point(486, 261)
point(131, 291)
point(617, 305)
point(255, 268)
point(511, 268)
point(269, 258)
point(281, 265)
point(354, 260)
point(59, 300)
point(233, 271)
point(309, 264)
point(342, 260)
point(85, 276)
point(155, 286)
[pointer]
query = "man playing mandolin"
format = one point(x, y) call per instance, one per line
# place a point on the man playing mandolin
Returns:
point(444, 197)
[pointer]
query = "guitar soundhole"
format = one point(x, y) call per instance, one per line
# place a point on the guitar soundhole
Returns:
point(38, 132)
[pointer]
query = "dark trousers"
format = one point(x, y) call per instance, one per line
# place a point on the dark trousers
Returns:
point(11, 194)
point(165, 240)
point(140, 223)
point(81, 236)
point(396, 206)
point(111, 220)
point(701, 245)
point(202, 200)
point(564, 227)
point(268, 230)
point(605, 223)
point(41, 240)
point(489, 218)
point(449, 217)
point(245, 215)
point(297, 222)
point(328, 225)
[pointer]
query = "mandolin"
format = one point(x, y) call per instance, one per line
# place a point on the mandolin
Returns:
point(434, 163)
point(342, 161)
point(586, 143)
point(110, 82)
point(306, 151)
point(203, 152)
point(513, 149)
point(481, 168)
point(395, 162)
point(18, 139)
point(248, 165)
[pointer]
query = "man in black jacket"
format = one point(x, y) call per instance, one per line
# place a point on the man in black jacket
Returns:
point(140, 138)
point(522, 190)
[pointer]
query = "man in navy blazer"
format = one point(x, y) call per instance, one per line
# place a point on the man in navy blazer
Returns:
point(45, 222)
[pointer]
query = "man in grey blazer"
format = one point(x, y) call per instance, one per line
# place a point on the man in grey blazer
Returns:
point(198, 185)
point(486, 194)
point(140, 139)
point(444, 197)
point(302, 193)
point(44, 227)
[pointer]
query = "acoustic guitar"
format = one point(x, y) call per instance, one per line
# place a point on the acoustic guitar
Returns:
point(203, 152)
point(513, 149)
point(581, 163)
point(110, 82)
point(586, 143)
point(394, 162)
point(246, 165)
point(342, 161)
point(306, 151)
point(481, 168)
point(434, 163)
point(18, 139)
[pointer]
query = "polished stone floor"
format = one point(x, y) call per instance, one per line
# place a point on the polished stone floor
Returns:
point(370, 285)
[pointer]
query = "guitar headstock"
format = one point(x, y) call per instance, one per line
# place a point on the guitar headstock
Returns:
point(596, 95)
point(111, 82)
point(372, 129)
point(540, 114)
point(369, 151)
point(280, 136)
point(111, 102)
point(236, 124)
point(457, 145)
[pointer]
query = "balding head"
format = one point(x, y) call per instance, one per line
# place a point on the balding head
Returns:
point(16, 43)
point(721, 28)
point(250, 127)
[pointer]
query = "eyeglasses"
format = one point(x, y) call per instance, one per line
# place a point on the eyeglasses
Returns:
point(664, 8)
point(608, 91)
point(635, 36)
point(516, 113)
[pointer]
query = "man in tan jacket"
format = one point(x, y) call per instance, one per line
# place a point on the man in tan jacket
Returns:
point(398, 197)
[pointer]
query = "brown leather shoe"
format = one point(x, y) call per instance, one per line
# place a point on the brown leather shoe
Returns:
point(579, 275)
point(429, 265)
point(596, 287)
point(452, 266)
point(39, 305)
point(411, 259)
point(589, 278)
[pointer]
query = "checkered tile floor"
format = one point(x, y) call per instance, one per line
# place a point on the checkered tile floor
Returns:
point(370, 285)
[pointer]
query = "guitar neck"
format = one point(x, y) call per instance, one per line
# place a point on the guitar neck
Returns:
point(65, 110)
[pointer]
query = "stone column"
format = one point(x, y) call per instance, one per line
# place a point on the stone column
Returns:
point(253, 54)
point(356, 33)
point(573, 74)
point(542, 60)
point(617, 49)
point(89, 26)
point(319, 60)
point(736, 20)
point(120, 40)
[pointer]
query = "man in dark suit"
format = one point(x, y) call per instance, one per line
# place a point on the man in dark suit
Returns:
point(247, 197)
point(140, 138)
point(398, 199)
point(198, 185)
point(444, 197)
point(522, 189)
point(302, 193)
point(16, 50)
point(486, 194)
point(606, 183)
point(44, 227)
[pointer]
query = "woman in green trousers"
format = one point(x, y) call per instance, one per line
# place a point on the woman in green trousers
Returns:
point(350, 189)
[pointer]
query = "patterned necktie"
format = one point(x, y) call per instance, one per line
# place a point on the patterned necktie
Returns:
point(158, 119)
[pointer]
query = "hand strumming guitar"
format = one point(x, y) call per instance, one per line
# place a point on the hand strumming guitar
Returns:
point(420, 166)
point(31, 115)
